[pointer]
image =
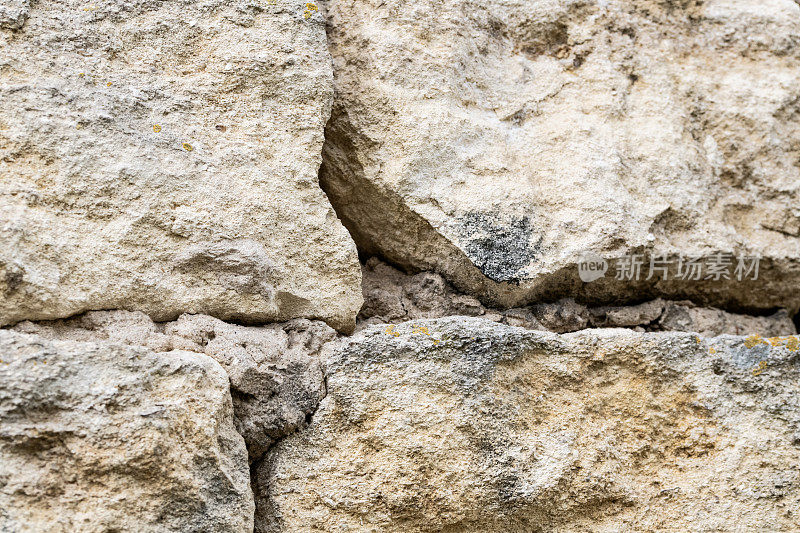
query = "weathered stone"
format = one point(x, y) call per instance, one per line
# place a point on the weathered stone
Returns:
point(13, 14)
point(711, 322)
point(276, 379)
point(522, 318)
point(564, 316)
point(390, 296)
point(163, 157)
point(105, 437)
point(496, 142)
point(629, 316)
point(474, 426)
point(275, 375)
point(393, 296)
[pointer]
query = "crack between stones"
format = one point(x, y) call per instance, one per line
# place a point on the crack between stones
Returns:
point(393, 297)
point(265, 511)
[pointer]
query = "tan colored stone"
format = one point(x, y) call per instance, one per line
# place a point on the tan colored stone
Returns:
point(463, 425)
point(163, 157)
point(275, 376)
point(107, 437)
point(496, 142)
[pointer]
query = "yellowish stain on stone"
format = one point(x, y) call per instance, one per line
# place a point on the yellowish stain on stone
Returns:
point(761, 367)
point(310, 8)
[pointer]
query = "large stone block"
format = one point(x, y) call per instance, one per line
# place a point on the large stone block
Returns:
point(496, 142)
point(460, 424)
point(163, 157)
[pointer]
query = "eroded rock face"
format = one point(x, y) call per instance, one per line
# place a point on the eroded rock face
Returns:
point(275, 375)
point(460, 424)
point(163, 157)
point(107, 437)
point(496, 142)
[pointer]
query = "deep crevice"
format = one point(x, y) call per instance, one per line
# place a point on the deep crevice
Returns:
point(393, 297)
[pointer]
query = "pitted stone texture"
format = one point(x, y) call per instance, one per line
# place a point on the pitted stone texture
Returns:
point(276, 378)
point(106, 437)
point(275, 375)
point(497, 142)
point(13, 14)
point(219, 211)
point(461, 425)
point(644, 314)
point(564, 316)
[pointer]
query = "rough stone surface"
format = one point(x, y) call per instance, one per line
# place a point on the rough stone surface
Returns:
point(163, 157)
point(276, 379)
point(390, 296)
point(460, 424)
point(711, 322)
point(629, 316)
point(496, 142)
point(105, 437)
point(564, 316)
point(275, 375)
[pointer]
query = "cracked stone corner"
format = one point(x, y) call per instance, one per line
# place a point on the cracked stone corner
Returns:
point(275, 371)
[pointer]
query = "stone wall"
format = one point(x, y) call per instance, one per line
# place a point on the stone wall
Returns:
point(288, 266)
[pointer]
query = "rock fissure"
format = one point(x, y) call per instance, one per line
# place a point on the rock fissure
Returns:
point(392, 296)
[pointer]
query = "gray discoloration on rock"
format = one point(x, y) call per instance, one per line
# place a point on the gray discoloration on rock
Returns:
point(502, 251)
